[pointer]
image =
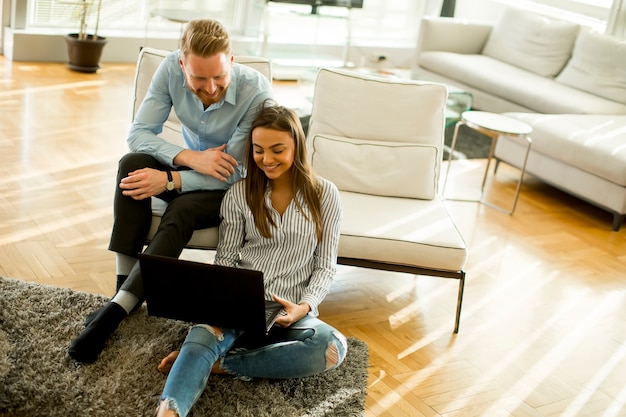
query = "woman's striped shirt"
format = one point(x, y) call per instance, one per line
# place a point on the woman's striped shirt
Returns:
point(295, 265)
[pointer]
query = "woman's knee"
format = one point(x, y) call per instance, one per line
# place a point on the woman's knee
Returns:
point(203, 335)
point(336, 349)
point(334, 343)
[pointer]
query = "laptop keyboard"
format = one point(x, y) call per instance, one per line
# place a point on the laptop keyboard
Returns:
point(268, 313)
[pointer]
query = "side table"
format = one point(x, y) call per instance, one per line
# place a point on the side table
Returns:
point(492, 125)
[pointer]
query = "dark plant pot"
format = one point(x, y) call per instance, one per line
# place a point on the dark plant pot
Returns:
point(84, 55)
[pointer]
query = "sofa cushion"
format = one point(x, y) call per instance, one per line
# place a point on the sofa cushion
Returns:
point(370, 167)
point(598, 65)
point(531, 41)
point(529, 90)
point(592, 143)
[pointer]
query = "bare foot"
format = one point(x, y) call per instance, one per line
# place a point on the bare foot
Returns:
point(166, 364)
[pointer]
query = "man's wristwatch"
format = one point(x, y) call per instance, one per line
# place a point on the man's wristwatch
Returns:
point(170, 185)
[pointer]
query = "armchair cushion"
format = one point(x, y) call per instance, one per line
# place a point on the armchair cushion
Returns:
point(367, 166)
point(400, 231)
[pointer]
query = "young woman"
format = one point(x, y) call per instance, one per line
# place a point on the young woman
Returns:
point(282, 220)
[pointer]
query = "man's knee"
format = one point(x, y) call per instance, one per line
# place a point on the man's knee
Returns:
point(135, 160)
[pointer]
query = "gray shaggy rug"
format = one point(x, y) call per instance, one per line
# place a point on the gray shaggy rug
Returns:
point(469, 145)
point(38, 378)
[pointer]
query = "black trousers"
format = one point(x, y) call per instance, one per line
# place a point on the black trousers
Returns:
point(185, 213)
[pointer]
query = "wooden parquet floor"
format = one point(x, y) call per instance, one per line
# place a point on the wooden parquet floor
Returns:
point(543, 329)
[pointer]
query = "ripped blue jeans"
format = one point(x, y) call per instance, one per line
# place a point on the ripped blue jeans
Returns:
point(306, 348)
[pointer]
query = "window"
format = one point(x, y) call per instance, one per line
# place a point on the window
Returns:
point(379, 21)
point(131, 15)
point(387, 22)
point(293, 36)
point(379, 26)
point(590, 12)
point(600, 3)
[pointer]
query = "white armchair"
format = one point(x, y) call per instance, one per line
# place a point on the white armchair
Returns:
point(147, 63)
point(381, 142)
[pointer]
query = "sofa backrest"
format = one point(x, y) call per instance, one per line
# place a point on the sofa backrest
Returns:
point(597, 66)
point(452, 35)
point(531, 41)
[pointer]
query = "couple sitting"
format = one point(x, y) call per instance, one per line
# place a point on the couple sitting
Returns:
point(280, 219)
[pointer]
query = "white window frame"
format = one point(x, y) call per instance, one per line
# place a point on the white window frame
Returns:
point(591, 13)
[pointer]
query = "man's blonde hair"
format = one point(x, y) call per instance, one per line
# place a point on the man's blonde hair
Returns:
point(205, 38)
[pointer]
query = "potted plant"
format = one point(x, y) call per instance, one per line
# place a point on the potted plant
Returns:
point(85, 49)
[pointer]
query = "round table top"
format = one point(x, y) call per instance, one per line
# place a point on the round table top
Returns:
point(496, 122)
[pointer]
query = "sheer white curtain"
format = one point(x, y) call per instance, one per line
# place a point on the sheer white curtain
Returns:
point(432, 7)
point(616, 25)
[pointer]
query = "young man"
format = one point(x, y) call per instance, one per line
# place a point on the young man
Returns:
point(216, 101)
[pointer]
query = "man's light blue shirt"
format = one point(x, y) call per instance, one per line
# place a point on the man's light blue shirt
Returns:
point(227, 121)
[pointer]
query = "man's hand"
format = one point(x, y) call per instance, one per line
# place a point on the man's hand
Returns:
point(144, 183)
point(214, 162)
point(294, 311)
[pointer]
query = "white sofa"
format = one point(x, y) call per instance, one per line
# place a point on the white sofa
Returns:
point(522, 63)
point(566, 81)
point(581, 154)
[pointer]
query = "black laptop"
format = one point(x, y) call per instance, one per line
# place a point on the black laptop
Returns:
point(204, 293)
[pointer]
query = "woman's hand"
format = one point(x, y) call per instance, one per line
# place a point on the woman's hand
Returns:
point(294, 311)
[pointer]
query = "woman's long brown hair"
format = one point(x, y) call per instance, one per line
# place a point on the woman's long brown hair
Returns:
point(273, 116)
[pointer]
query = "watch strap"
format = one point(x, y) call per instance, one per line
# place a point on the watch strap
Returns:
point(170, 185)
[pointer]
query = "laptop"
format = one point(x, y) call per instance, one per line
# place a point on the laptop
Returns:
point(205, 293)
